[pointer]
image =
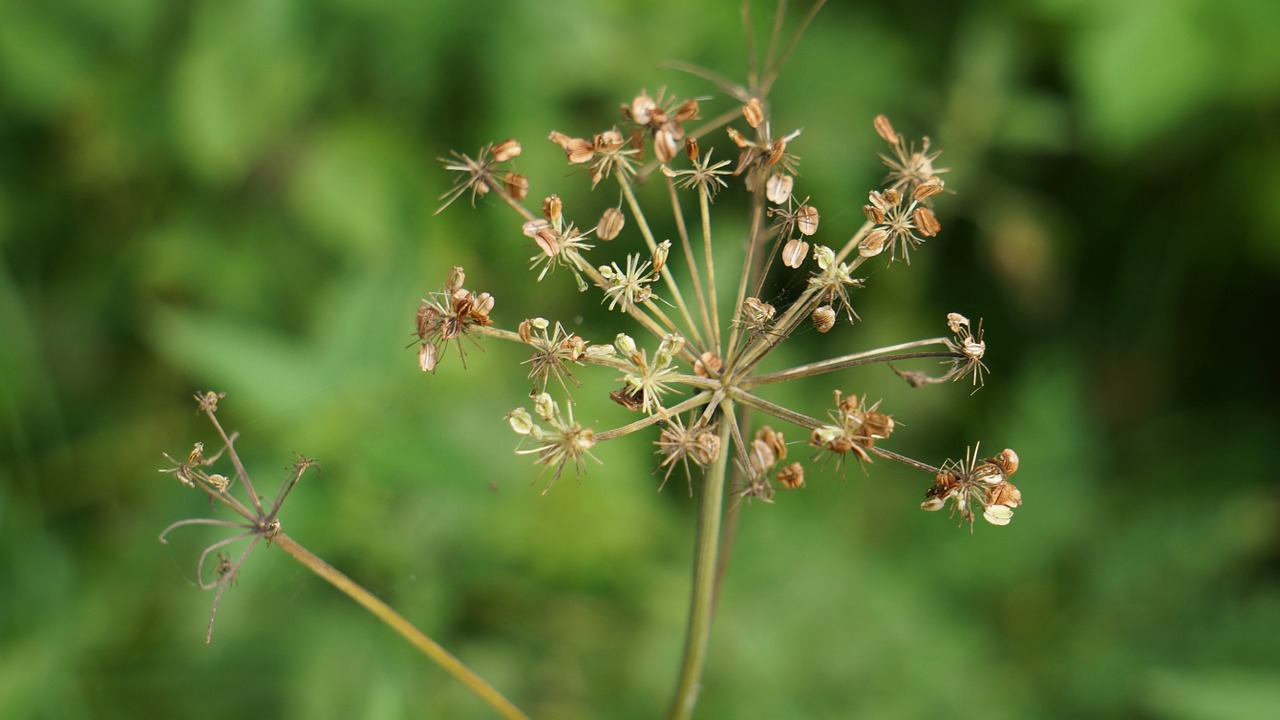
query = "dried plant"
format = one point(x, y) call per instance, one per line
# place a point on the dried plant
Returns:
point(696, 381)
point(686, 366)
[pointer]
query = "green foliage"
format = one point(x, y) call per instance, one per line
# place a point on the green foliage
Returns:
point(239, 196)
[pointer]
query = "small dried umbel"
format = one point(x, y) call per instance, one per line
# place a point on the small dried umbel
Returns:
point(972, 485)
point(446, 315)
point(260, 522)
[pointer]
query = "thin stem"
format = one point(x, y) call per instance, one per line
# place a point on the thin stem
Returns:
point(878, 355)
point(702, 602)
point(704, 208)
point(665, 414)
point(235, 461)
point(775, 410)
point(403, 627)
point(694, 275)
point(676, 296)
point(891, 455)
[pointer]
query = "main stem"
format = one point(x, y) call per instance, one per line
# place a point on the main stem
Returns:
point(702, 602)
point(396, 621)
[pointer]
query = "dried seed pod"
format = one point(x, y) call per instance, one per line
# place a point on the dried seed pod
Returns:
point(560, 139)
point(691, 148)
point(753, 112)
point(664, 145)
point(543, 234)
point(552, 208)
point(428, 320)
point(660, 254)
point(795, 252)
point(774, 440)
point(927, 189)
point(926, 222)
point(792, 476)
point(706, 448)
point(607, 141)
point(687, 111)
point(525, 331)
point(761, 456)
point(427, 357)
point(517, 185)
point(957, 323)
point(824, 318)
point(1004, 493)
point(738, 139)
point(579, 150)
point(506, 150)
point(873, 243)
point(1007, 461)
point(625, 398)
point(885, 130)
point(707, 364)
point(807, 219)
point(778, 188)
point(611, 223)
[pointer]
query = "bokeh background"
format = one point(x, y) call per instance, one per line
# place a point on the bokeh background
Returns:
point(239, 196)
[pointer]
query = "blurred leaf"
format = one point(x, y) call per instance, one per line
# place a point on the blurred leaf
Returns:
point(241, 84)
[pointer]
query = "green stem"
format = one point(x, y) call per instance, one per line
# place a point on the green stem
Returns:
point(416, 637)
point(702, 601)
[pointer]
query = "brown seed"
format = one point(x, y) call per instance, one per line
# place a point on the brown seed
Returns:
point(792, 476)
point(427, 357)
point(664, 145)
point(560, 139)
point(873, 243)
point(525, 331)
point(738, 139)
point(687, 111)
point(579, 151)
point(706, 448)
point(926, 222)
point(795, 252)
point(691, 148)
point(753, 112)
point(774, 440)
point(1007, 461)
point(428, 320)
point(1004, 493)
point(824, 318)
point(928, 188)
point(708, 363)
point(506, 150)
point(607, 140)
point(624, 398)
point(778, 188)
point(885, 129)
point(611, 223)
point(552, 208)
point(807, 219)
point(517, 185)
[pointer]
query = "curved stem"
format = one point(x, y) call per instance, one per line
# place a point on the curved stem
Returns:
point(702, 602)
point(395, 621)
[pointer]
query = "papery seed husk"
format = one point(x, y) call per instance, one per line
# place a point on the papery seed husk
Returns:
point(873, 213)
point(795, 252)
point(506, 150)
point(427, 357)
point(552, 207)
point(664, 145)
point(874, 242)
point(517, 185)
point(778, 188)
point(525, 331)
point(611, 223)
point(824, 318)
point(753, 113)
point(807, 219)
point(691, 148)
point(926, 222)
point(928, 189)
point(885, 129)
point(706, 364)
point(687, 111)
point(579, 150)
point(792, 476)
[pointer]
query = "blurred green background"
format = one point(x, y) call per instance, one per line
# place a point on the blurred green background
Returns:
point(238, 196)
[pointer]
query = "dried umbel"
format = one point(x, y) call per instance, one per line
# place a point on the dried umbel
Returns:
point(705, 309)
point(714, 363)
